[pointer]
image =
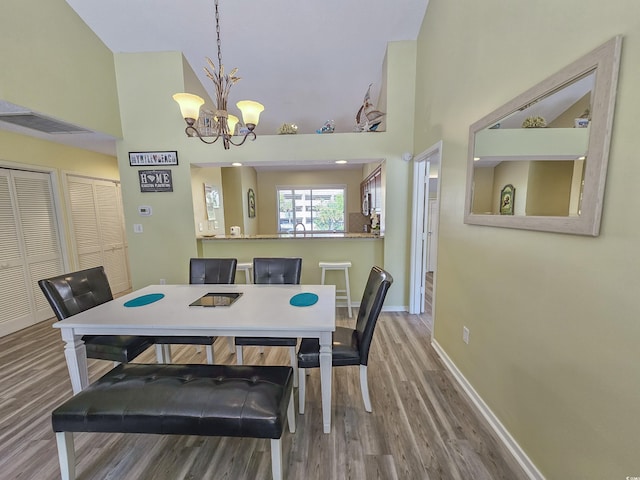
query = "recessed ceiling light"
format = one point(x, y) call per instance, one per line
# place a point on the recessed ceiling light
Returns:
point(341, 161)
point(236, 164)
point(475, 159)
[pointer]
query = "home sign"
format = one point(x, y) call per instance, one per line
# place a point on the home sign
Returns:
point(155, 180)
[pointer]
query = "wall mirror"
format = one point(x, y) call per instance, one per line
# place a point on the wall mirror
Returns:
point(551, 145)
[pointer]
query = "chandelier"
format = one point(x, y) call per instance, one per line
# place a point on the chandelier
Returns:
point(218, 124)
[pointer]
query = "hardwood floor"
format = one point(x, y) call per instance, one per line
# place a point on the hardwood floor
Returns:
point(421, 427)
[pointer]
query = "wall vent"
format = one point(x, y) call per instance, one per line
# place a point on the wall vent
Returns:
point(41, 123)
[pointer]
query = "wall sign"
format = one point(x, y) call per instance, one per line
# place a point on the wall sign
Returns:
point(143, 159)
point(155, 180)
point(507, 199)
point(252, 203)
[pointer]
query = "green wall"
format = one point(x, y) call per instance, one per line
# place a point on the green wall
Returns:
point(145, 85)
point(554, 319)
point(53, 64)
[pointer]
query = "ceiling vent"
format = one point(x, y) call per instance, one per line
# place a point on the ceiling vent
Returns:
point(40, 123)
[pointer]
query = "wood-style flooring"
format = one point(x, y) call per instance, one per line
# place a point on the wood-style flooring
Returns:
point(421, 427)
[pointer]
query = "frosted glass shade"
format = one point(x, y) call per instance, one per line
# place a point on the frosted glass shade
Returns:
point(250, 111)
point(232, 121)
point(189, 104)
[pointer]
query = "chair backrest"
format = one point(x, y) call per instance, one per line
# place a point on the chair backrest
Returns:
point(373, 297)
point(212, 270)
point(76, 292)
point(277, 270)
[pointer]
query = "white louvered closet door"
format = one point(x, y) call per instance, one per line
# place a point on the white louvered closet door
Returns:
point(98, 228)
point(29, 247)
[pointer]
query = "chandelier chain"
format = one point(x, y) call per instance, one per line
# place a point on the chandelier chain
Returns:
point(218, 37)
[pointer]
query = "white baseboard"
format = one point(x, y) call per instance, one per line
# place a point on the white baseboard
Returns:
point(392, 308)
point(503, 434)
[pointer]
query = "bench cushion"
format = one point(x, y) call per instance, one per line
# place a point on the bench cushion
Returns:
point(212, 400)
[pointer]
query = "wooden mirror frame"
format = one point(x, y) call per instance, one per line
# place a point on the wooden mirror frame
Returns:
point(605, 61)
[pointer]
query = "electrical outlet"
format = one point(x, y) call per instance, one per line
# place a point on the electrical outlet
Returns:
point(163, 281)
point(465, 335)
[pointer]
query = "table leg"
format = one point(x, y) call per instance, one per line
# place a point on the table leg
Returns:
point(325, 379)
point(76, 355)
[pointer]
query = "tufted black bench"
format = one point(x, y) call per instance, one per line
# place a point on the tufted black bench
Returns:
point(211, 400)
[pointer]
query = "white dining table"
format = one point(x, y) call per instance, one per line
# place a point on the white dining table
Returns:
point(261, 311)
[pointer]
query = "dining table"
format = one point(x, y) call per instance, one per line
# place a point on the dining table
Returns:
point(300, 311)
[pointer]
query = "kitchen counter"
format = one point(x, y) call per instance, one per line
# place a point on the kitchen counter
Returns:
point(292, 236)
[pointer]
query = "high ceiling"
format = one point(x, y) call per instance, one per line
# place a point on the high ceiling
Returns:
point(306, 61)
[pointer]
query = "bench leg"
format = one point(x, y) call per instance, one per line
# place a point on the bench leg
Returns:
point(66, 455)
point(301, 388)
point(276, 458)
point(231, 343)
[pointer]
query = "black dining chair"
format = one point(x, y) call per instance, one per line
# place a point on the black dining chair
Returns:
point(273, 271)
point(202, 271)
point(350, 345)
point(75, 292)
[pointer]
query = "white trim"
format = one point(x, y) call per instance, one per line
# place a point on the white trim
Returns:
point(416, 295)
point(386, 308)
point(503, 434)
point(396, 308)
point(417, 269)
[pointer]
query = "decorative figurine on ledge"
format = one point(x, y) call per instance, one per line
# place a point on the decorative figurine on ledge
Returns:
point(534, 122)
point(288, 129)
point(368, 117)
point(328, 127)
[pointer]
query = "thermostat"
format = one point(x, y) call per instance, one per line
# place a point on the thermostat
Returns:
point(144, 210)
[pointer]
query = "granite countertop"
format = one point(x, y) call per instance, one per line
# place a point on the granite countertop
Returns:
point(290, 236)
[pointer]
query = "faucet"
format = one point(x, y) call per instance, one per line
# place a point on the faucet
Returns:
point(304, 229)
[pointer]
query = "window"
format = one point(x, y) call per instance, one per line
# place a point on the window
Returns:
point(317, 209)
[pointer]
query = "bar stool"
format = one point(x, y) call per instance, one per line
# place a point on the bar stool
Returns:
point(344, 266)
point(245, 267)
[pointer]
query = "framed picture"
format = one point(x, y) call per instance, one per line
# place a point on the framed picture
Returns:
point(252, 203)
point(155, 180)
point(143, 159)
point(212, 200)
point(507, 199)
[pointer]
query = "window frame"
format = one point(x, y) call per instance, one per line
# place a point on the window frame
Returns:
point(311, 188)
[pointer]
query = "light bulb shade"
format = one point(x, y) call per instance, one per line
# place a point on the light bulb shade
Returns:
point(232, 121)
point(189, 104)
point(250, 111)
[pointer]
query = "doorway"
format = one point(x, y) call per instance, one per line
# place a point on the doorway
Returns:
point(424, 235)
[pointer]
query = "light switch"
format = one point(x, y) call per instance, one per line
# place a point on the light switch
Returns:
point(145, 210)
point(137, 228)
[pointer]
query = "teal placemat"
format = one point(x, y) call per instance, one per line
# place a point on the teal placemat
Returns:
point(305, 299)
point(144, 300)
